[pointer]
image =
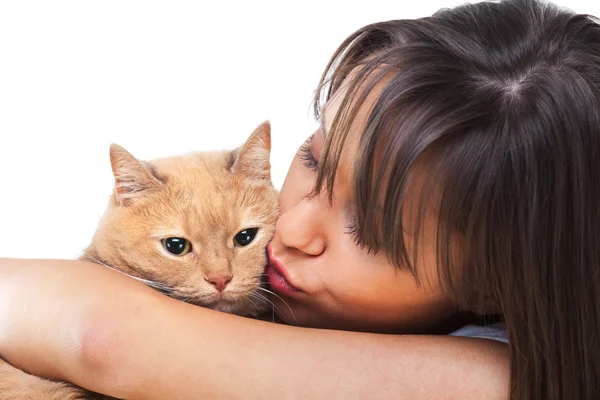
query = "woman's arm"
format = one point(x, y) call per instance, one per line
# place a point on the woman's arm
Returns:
point(110, 334)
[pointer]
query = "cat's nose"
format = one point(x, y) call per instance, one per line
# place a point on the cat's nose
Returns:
point(220, 282)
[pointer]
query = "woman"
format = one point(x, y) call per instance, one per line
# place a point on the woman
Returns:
point(454, 174)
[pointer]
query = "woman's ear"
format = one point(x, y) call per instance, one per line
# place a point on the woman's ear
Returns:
point(252, 159)
point(133, 178)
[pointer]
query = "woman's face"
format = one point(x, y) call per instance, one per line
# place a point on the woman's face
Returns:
point(321, 277)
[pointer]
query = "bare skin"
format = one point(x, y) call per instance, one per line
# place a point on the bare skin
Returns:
point(125, 340)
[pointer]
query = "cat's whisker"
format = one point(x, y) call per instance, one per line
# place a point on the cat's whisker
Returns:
point(262, 299)
point(273, 308)
point(256, 308)
point(266, 301)
point(282, 300)
point(271, 304)
point(251, 302)
point(161, 287)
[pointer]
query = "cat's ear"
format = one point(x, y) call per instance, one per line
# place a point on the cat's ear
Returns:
point(132, 177)
point(252, 159)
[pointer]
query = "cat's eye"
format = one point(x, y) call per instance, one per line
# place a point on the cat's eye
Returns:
point(245, 237)
point(177, 246)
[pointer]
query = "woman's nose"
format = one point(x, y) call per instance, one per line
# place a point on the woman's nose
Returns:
point(302, 227)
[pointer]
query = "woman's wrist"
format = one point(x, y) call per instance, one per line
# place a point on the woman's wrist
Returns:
point(76, 304)
point(111, 337)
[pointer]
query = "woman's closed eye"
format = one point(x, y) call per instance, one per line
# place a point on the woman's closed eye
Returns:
point(351, 229)
point(306, 155)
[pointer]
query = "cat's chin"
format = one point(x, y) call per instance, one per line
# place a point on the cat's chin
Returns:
point(242, 307)
point(227, 307)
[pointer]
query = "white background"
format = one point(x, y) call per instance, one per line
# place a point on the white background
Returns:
point(159, 78)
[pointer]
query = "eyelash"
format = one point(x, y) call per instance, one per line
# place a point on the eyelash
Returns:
point(306, 155)
point(309, 161)
point(352, 230)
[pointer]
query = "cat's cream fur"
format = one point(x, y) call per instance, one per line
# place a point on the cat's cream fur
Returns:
point(206, 198)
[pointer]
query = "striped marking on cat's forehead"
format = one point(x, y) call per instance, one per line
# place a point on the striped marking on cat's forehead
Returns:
point(251, 223)
point(168, 233)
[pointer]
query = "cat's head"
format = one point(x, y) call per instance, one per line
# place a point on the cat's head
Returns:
point(195, 226)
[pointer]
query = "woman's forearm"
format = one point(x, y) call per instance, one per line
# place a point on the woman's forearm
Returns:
point(125, 340)
point(174, 350)
point(183, 352)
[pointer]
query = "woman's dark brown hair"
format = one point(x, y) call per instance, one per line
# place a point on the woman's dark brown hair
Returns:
point(501, 102)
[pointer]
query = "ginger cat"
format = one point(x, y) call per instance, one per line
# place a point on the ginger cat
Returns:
point(194, 227)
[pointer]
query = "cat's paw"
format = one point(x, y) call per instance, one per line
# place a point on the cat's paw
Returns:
point(18, 385)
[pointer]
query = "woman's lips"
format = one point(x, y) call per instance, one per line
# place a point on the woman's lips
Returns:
point(278, 277)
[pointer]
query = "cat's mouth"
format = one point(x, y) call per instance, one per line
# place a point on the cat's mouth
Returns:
point(254, 303)
point(240, 304)
point(224, 305)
